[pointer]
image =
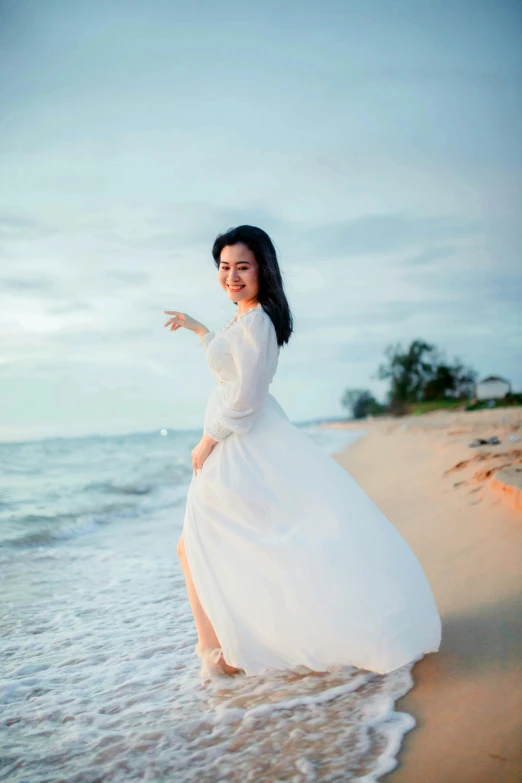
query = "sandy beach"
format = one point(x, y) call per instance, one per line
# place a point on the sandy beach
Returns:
point(459, 509)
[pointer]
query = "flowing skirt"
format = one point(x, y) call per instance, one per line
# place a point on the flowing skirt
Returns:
point(295, 565)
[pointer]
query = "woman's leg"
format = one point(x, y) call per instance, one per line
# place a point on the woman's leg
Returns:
point(206, 634)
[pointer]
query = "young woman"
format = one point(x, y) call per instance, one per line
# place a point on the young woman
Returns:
point(287, 561)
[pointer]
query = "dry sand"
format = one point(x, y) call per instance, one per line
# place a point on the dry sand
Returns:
point(446, 499)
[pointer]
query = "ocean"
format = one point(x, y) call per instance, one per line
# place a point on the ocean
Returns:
point(98, 676)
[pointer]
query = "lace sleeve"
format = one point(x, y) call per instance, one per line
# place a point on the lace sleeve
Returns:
point(254, 348)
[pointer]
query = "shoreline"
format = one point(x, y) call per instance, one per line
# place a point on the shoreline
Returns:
point(444, 498)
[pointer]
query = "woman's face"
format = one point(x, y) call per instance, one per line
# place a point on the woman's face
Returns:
point(237, 273)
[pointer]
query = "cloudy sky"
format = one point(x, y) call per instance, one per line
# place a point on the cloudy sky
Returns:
point(377, 142)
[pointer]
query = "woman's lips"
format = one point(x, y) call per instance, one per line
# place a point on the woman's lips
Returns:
point(236, 288)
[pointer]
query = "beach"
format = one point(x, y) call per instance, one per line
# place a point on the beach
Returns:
point(100, 679)
point(459, 509)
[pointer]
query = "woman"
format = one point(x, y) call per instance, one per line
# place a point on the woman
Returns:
point(287, 561)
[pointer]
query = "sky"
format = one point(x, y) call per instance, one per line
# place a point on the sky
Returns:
point(377, 142)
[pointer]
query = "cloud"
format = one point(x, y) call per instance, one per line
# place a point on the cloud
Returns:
point(446, 76)
point(69, 306)
point(386, 233)
point(365, 314)
point(129, 277)
point(14, 284)
point(362, 351)
point(429, 256)
point(13, 227)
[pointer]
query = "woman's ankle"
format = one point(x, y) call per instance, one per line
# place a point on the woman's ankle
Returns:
point(206, 651)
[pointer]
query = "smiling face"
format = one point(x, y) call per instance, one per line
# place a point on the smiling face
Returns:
point(237, 274)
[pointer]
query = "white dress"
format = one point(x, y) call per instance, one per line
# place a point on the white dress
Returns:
point(293, 563)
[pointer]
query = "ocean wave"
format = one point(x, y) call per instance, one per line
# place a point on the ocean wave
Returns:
point(123, 489)
point(67, 527)
point(39, 529)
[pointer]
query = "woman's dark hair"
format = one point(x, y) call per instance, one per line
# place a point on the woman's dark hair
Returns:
point(271, 291)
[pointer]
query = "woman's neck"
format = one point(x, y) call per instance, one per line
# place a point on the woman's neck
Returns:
point(241, 310)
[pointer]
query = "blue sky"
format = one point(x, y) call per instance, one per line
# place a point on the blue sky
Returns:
point(378, 143)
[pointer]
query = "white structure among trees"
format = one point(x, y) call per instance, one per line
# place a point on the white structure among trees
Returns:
point(492, 388)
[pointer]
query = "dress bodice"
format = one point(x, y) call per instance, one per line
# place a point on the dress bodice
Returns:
point(243, 359)
point(220, 359)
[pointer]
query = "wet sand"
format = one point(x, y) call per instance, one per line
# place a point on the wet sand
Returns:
point(449, 503)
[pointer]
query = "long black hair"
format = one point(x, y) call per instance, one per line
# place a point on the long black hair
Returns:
point(271, 294)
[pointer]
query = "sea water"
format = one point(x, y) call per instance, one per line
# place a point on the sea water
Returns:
point(98, 676)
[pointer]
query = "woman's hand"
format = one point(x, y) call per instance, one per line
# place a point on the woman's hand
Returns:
point(182, 319)
point(201, 452)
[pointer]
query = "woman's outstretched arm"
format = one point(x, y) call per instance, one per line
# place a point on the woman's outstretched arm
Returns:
point(186, 321)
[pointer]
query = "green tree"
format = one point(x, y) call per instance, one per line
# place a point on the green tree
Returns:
point(422, 373)
point(407, 370)
point(450, 380)
point(361, 403)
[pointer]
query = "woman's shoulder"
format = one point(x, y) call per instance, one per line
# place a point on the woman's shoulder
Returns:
point(255, 314)
point(255, 322)
point(257, 328)
point(256, 319)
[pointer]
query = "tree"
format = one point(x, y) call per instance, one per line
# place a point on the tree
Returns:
point(408, 371)
point(450, 380)
point(421, 373)
point(361, 403)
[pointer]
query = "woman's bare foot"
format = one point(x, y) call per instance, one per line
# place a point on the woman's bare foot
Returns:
point(231, 671)
point(214, 662)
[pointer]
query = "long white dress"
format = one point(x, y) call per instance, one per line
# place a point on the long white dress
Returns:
point(293, 563)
